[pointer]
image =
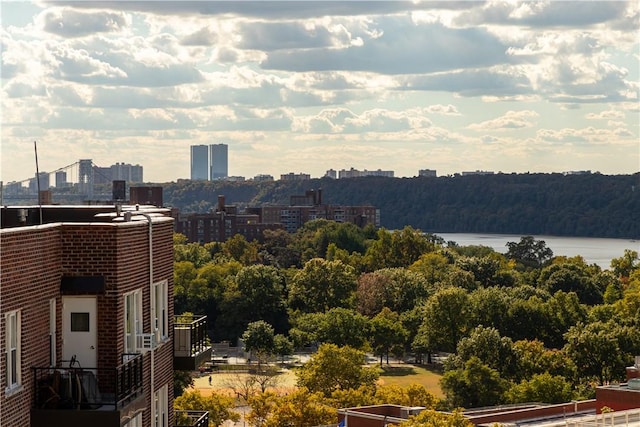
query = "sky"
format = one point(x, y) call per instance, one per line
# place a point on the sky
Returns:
point(307, 86)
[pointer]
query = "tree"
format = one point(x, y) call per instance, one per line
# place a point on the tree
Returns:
point(529, 252)
point(489, 347)
point(445, 320)
point(282, 346)
point(255, 293)
point(336, 368)
point(387, 334)
point(473, 386)
point(181, 381)
point(259, 340)
point(239, 249)
point(301, 408)
point(339, 326)
point(543, 387)
point(413, 395)
point(397, 249)
point(433, 418)
point(322, 285)
point(219, 406)
point(532, 358)
point(571, 277)
point(623, 266)
point(398, 289)
point(602, 350)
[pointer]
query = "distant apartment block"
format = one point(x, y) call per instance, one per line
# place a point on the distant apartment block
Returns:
point(427, 172)
point(477, 172)
point(226, 221)
point(295, 177)
point(89, 335)
point(117, 172)
point(331, 173)
point(263, 177)
point(218, 161)
point(355, 173)
point(42, 185)
point(310, 206)
point(209, 162)
point(199, 162)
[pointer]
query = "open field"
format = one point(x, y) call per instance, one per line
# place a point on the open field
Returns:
point(398, 374)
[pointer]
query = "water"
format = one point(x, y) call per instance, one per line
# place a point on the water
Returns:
point(594, 250)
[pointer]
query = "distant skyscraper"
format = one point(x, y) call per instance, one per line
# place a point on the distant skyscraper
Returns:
point(218, 161)
point(199, 162)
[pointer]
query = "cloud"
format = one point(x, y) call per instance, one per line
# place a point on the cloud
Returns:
point(202, 37)
point(400, 47)
point(510, 121)
point(67, 22)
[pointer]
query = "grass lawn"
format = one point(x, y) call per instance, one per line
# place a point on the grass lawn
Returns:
point(405, 375)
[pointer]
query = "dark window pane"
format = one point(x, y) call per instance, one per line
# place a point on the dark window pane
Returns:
point(79, 322)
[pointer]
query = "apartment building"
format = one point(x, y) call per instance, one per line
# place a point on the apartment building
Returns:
point(86, 319)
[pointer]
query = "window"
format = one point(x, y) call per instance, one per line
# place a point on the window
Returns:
point(12, 325)
point(159, 310)
point(132, 320)
point(161, 407)
point(52, 332)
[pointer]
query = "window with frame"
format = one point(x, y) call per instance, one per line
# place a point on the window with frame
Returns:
point(132, 320)
point(161, 407)
point(12, 327)
point(135, 421)
point(159, 310)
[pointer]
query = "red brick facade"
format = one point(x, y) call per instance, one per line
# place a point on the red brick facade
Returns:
point(34, 259)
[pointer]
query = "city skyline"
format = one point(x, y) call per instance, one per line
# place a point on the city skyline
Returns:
point(307, 86)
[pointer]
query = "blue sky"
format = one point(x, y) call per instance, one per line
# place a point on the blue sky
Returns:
point(307, 86)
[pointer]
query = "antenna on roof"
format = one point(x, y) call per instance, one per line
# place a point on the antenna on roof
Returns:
point(35, 146)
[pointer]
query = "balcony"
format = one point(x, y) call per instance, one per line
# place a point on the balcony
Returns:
point(98, 397)
point(192, 418)
point(190, 346)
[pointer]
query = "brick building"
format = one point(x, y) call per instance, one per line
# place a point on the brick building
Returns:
point(86, 314)
point(226, 221)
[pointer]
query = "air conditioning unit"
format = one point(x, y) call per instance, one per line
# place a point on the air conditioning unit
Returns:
point(146, 342)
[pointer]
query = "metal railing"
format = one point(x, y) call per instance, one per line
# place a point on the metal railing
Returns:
point(192, 418)
point(190, 335)
point(82, 388)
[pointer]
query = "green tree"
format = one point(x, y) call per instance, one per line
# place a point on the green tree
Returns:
point(336, 368)
point(473, 386)
point(543, 387)
point(282, 346)
point(219, 406)
point(627, 263)
point(602, 350)
point(489, 347)
point(259, 340)
point(322, 285)
point(255, 293)
point(239, 249)
point(445, 321)
point(181, 381)
point(532, 358)
point(397, 249)
point(387, 334)
point(529, 252)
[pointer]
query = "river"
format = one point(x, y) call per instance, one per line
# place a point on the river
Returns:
point(594, 250)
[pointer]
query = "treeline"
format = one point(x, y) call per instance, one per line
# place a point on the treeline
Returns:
point(514, 324)
point(590, 205)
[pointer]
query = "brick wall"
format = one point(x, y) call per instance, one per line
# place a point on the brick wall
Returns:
point(29, 278)
point(34, 259)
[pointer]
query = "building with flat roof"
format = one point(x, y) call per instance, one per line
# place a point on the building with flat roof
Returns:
point(199, 162)
point(218, 161)
point(88, 330)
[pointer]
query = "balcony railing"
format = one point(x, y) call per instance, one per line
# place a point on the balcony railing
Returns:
point(88, 388)
point(190, 335)
point(192, 419)
point(190, 346)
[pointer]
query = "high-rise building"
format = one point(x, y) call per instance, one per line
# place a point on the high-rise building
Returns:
point(218, 161)
point(199, 162)
point(126, 172)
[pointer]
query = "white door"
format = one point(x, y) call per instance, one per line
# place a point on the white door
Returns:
point(79, 337)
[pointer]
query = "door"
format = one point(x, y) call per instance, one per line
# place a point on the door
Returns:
point(79, 327)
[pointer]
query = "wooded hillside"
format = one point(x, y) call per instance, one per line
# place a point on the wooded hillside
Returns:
point(591, 205)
